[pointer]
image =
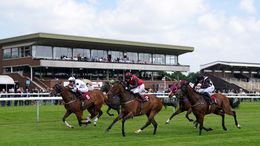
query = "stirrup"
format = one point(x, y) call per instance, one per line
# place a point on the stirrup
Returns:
point(82, 104)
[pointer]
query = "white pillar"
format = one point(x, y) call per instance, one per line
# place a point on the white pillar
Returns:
point(31, 73)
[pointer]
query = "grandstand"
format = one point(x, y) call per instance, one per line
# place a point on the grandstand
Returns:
point(43, 59)
point(233, 75)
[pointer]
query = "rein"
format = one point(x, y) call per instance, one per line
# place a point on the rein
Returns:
point(70, 101)
point(128, 102)
point(197, 104)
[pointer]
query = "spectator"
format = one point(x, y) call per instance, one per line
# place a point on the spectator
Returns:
point(3, 92)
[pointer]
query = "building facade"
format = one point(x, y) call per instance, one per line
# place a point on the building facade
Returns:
point(54, 56)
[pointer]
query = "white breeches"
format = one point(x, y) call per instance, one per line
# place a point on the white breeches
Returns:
point(208, 90)
point(138, 89)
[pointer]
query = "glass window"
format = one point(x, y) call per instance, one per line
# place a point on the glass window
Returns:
point(21, 52)
point(42, 52)
point(145, 58)
point(15, 53)
point(171, 59)
point(82, 53)
point(131, 57)
point(27, 51)
point(98, 55)
point(7, 53)
point(62, 53)
point(158, 59)
point(116, 56)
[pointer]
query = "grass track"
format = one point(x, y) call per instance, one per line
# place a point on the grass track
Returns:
point(18, 127)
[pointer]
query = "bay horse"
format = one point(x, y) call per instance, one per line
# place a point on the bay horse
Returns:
point(200, 107)
point(111, 102)
point(72, 104)
point(131, 106)
point(184, 105)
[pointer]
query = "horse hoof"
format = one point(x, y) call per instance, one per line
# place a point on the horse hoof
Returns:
point(71, 127)
point(167, 122)
point(210, 129)
point(238, 126)
point(138, 131)
point(107, 130)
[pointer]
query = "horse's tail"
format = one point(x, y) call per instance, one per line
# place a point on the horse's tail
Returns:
point(234, 102)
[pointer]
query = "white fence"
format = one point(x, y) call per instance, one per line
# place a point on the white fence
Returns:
point(40, 96)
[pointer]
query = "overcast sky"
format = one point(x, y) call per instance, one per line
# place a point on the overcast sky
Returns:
point(219, 30)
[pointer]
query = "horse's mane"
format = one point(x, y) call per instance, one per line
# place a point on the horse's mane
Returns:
point(123, 84)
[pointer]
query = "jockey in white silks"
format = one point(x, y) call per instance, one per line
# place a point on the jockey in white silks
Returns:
point(77, 85)
point(205, 86)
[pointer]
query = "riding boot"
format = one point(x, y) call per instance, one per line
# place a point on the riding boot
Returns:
point(140, 98)
point(208, 98)
point(80, 96)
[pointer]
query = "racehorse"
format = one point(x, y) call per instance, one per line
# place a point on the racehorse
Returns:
point(73, 105)
point(200, 107)
point(111, 102)
point(131, 106)
point(184, 105)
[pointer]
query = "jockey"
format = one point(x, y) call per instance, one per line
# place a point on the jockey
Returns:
point(77, 86)
point(205, 86)
point(135, 84)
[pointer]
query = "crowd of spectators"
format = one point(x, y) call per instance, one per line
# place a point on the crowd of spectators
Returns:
point(21, 92)
point(107, 59)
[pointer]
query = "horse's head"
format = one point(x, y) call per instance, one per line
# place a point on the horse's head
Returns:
point(182, 89)
point(116, 89)
point(105, 87)
point(56, 89)
point(173, 90)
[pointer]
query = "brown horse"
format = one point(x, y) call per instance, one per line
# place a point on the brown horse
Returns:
point(111, 102)
point(200, 107)
point(73, 105)
point(130, 107)
point(184, 105)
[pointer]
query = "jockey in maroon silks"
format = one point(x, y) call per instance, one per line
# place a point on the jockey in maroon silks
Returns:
point(135, 85)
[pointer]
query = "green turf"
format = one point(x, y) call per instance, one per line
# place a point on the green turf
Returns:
point(18, 127)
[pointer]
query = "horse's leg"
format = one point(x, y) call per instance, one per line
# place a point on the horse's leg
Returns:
point(129, 115)
point(118, 111)
point(228, 110)
point(200, 119)
point(233, 113)
point(187, 114)
point(108, 109)
point(115, 120)
point(235, 118)
point(64, 119)
point(149, 121)
point(154, 126)
point(79, 117)
point(100, 113)
point(179, 110)
point(222, 114)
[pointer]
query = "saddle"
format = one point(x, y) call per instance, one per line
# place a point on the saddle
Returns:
point(86, 96)
point(82, 97)
point(210, 99)
point(141, 98)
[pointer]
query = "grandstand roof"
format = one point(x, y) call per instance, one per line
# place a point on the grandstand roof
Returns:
point(6, 80)
point(235, 66)
point(98, 43)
